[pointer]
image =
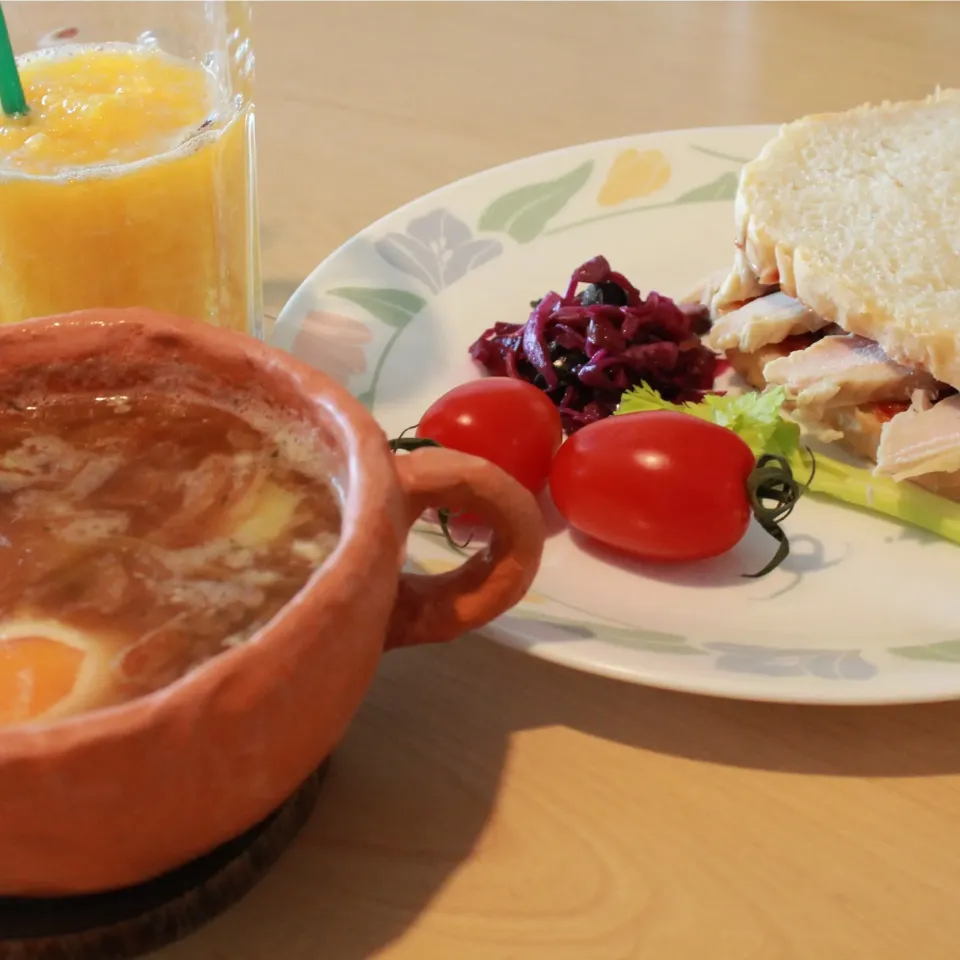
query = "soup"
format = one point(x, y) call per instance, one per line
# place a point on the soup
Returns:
point(141, 535)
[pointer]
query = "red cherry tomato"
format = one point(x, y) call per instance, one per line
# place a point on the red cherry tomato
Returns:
point(658, 485)
point(507, 421)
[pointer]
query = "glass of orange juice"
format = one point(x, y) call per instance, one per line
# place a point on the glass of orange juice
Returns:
point(132, 179)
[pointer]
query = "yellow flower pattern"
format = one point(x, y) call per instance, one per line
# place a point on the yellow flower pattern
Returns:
point(634, 173)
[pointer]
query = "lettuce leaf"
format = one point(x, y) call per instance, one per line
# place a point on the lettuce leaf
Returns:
point(754, 417)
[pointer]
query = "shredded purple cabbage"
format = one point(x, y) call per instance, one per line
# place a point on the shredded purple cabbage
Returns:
point(585, 348)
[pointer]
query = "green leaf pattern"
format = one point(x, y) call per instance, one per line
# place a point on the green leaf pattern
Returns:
point(393, 307)
point(723, 188)
point(947, 651)
point(523, 213)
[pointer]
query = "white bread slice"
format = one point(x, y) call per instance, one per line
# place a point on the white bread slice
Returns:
point(857, 214)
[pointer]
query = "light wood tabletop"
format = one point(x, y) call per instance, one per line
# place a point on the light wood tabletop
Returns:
point(488, 806)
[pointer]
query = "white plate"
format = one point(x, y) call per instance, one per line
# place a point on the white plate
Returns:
point(864, 611)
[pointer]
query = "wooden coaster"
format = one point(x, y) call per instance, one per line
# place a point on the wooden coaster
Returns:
point(125, 923)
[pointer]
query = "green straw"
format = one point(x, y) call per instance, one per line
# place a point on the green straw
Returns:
point(12, 100)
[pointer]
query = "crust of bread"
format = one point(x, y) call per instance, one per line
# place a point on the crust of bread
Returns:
point(856, 214)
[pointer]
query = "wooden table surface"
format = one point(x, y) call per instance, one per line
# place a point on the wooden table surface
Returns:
point(487, 806)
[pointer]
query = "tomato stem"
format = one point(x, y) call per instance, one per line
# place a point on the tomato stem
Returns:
point(403, 442)
point(773, 492)
point(408, 445)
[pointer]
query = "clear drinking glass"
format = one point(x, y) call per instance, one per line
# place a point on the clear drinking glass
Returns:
point(132, 181)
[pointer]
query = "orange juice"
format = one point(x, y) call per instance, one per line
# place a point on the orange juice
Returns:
point(130, 183)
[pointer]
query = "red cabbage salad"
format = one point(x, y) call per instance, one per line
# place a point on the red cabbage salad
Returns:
point(584, 348)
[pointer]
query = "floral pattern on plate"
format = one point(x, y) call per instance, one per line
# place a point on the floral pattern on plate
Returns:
point(398, 306)
point(437, 249)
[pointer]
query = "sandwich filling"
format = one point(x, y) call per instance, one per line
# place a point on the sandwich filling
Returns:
point(839, 386)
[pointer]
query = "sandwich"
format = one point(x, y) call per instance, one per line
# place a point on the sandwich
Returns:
point(844, 288)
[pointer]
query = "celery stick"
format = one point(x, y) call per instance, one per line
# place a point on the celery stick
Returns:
point(902, 501)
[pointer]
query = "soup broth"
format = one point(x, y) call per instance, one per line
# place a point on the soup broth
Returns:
point(140, 535)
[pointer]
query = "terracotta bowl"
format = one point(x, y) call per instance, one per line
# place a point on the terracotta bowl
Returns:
point(116, 796)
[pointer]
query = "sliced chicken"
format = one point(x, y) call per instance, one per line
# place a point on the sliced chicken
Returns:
point(921, 440)
point(840, 371)
point(766, 320)
point(741, 285)
point(750, 366)
point(706, 289)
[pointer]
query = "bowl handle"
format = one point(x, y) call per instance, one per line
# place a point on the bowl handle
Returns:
point(431, 609)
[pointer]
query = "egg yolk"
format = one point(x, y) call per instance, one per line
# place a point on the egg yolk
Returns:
point(36, 673)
